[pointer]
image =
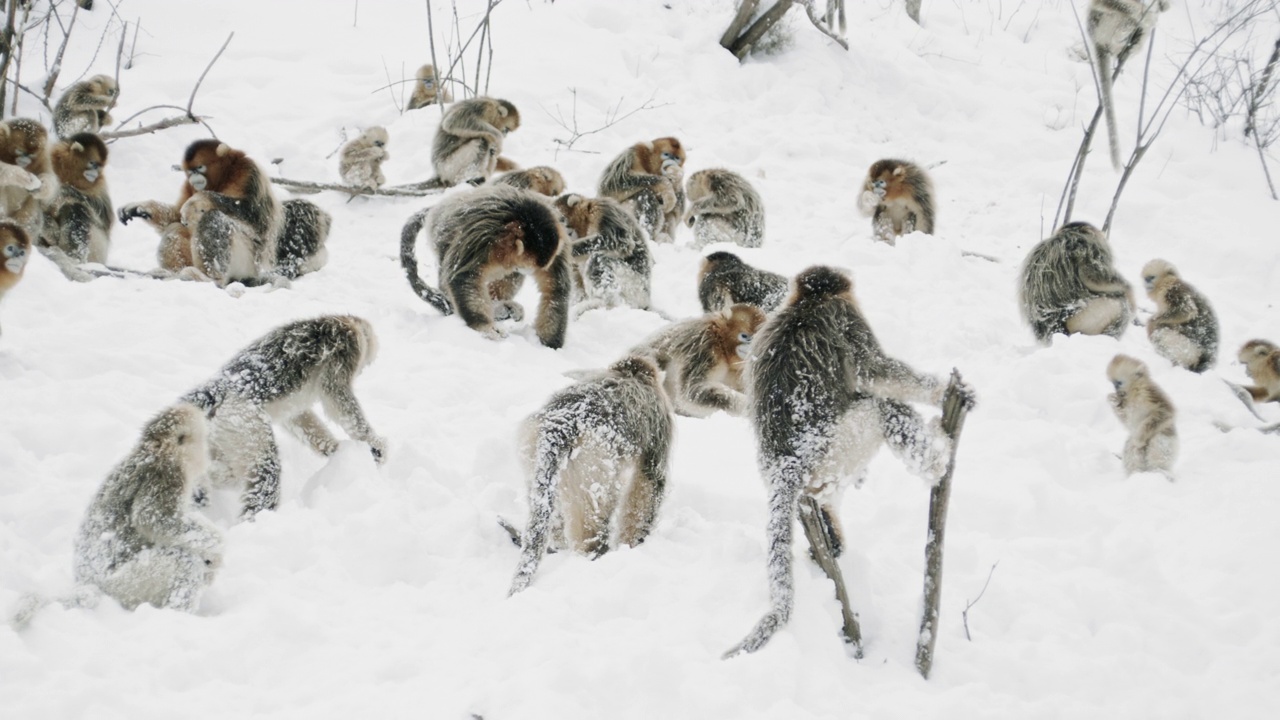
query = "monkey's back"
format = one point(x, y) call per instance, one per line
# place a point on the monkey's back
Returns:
point(1052, 288)
point(802, 362)
point(741, 283)
point(282, 361)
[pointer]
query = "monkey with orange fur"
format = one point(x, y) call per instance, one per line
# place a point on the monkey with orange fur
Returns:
point(542, 179)
point(898, 196)
point(648, 179)
point(78, 221)
point(227, 224)
point(15, 250)
point(468, 143)
point(427, 89)
point(703, 359)
point(27, 182)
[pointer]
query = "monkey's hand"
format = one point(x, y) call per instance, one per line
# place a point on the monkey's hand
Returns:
point(131, 211)
point(14, 176)
point(378, 447)
point(667, 195)
point(868, 201)
point(493, 333)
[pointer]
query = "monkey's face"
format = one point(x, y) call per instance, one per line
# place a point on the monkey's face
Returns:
point(508, 117)
point(28, 144)
point(103, 85)
point(670, 150)
point(1256, 352)
point(209, 164)
point(14, 253)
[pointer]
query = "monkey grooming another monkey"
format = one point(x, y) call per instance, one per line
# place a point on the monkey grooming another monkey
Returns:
point(280, 377)
point(898, 196)
point(141, 541)
point(824, 398)
point(1070, 285)
point(596, 456)
point(1117, 28)
point(703, 359)
point(1147, 413)
point(725, 279)
point(1184, 329)
point(646, 179)
point(485, 241)
point(723, 207)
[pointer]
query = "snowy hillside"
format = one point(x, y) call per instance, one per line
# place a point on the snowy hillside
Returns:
point(380, 592)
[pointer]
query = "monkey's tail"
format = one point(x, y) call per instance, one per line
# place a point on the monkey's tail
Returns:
point(553, 449)
point(409, 261)
point(1106, 80)
point(786, 477)
point(85, 596)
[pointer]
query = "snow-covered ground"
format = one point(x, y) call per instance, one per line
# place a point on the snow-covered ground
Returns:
point(381, 592)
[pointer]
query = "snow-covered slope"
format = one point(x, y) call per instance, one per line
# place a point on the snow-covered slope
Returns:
point(381, 592)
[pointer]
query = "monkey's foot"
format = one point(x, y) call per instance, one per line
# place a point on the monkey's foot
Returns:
point(508, 310)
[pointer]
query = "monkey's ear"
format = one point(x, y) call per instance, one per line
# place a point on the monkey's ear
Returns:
point(77, 147)
point(223, 149)
point(900, 171)
point(726, 312)
point(573, 200)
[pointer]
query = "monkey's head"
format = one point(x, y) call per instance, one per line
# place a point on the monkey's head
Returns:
point(1123, 370)
point(23, 142)
point(656, 155)
point(640, 367)
point(545, 180)
point(78, 161)
point(426, 76)
point(1157, 275)
point(820, 282)
point(375, 136)
point(506, 117)
point(719, 260)
point(15, 249)
point(367, 337)
point(179, 432)
point(102, 85)
point(884, 174)
point(531, 231)
point(210, 164)
point(734, 327)
point(701, 184)
point(577, 212)
point(1255, 354)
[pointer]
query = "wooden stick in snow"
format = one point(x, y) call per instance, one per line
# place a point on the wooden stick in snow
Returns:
point(956, 403)
point(811, 521)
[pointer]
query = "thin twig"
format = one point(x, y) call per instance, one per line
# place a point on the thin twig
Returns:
point(964, 614)
point(133, 46)
point(431, 36)
point(62, 49)
point(156, 126)
point(394, 100)
point(191, 101)
point(124, 35)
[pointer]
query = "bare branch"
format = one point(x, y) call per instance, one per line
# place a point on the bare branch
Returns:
point(412, 190)
point(154, 127)
point(62, 49)
point(611, 118)
point(191, 101)
point(818, 23)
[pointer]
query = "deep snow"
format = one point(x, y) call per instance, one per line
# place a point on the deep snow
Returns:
point(381, 592)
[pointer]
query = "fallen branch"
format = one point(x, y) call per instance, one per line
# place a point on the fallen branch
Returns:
point(411, 190)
